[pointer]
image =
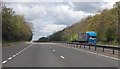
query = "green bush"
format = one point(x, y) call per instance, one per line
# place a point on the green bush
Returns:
point(14, 27)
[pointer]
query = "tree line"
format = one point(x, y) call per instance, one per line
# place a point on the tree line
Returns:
point(14, 26)
point(105, 24)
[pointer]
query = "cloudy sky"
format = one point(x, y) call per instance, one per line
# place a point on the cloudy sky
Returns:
point(49, 17)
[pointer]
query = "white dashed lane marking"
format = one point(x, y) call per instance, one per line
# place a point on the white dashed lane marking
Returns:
point(19, 52)
point(53, 50)
point(9, 58)
point(62, 57)
point(92, 52)
point(16, 53)
point(13, 55)
point(5, 61)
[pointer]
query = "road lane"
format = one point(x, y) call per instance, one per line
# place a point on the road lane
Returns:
point(9, 51)
point(80, 58)
point(54, 55)
point(38, 55)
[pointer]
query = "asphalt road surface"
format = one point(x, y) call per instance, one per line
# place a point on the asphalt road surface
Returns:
point(53, 55)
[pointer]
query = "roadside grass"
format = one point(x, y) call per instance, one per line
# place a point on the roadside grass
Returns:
point(10, 43)
point(110, 43)
point(7, 43)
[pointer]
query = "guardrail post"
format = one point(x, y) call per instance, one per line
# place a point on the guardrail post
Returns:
point(95, 48)
point(84, 46)
point(80, 45)
point(103, 49)
point(101, 46)
point(76, 45)
point(89, 46)
point(113, 51)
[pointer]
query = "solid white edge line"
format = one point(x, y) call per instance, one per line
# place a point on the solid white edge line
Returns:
point(99, 54)
point(92, 53)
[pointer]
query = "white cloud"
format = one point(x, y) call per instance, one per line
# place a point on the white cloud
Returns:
point(53, 28)
point(43, 27)
point(55, 0)
point(47, 18)
point(64, 14)
point(30, 12)
point(109, 4)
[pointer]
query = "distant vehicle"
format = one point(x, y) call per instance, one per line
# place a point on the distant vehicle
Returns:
point(88, 37)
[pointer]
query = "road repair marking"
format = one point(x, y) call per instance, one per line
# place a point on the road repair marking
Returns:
point(62, 57)
point(15, 54)
point(91, 52)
